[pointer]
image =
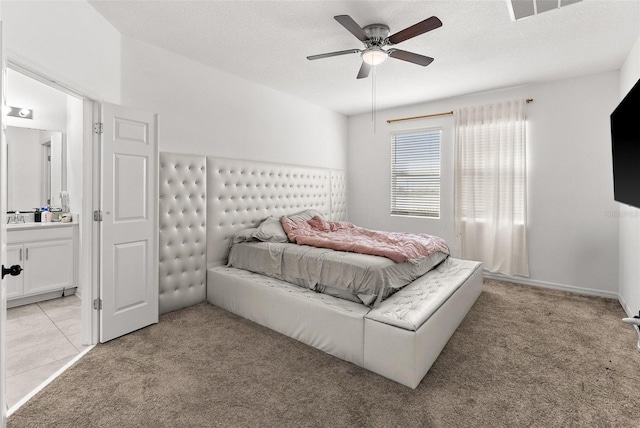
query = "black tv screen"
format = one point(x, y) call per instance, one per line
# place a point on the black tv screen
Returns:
point(625, 141)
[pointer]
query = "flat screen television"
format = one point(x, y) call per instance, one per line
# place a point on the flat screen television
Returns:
point(625, 143)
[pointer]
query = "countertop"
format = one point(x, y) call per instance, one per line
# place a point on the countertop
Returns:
point(32, 225)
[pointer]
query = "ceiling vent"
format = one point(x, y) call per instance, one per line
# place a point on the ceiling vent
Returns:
point(523, 8)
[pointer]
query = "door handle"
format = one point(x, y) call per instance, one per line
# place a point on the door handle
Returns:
point(13, 270)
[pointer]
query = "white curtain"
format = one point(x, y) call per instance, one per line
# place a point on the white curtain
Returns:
point(490, 187)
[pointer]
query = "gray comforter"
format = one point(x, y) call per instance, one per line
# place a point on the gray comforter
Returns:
point(358, 277)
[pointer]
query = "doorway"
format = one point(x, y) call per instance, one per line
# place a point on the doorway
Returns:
point(45, 327)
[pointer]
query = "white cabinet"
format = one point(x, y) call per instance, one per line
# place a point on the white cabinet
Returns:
point(47, 255)
point(48, 266)
point(15, 284)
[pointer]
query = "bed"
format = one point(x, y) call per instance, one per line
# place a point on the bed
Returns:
point(361, 278)
point(399, 337)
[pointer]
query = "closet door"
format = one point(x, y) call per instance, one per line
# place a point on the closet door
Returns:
point(129, 260)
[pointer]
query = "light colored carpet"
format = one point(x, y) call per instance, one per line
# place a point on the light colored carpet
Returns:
point(522, 357)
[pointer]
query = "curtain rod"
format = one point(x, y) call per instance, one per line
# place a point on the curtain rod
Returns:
point(446, 113)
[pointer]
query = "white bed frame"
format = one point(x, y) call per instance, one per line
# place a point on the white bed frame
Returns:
point(240, 194)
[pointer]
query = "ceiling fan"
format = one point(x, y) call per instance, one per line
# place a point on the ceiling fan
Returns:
point(376, 36)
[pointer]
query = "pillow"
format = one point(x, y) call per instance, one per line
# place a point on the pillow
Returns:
point(320, 224)
point(305, 215)
point(270, 230)
point(295, 221)
point(244, 235)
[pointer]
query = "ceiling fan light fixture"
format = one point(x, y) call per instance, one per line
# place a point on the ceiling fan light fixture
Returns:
point(374, 55)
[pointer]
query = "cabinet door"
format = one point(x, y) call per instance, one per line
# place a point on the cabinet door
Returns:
point(49, 266)
point(14, 283)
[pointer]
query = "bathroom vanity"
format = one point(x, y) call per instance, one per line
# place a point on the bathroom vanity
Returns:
point(48, 254)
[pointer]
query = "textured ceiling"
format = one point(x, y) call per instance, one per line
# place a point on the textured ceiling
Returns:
point(478, 48)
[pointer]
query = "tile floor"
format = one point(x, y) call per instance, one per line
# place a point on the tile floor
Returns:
point(41, 338)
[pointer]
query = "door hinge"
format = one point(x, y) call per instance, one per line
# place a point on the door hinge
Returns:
point(97, 128)
point(97, 304)
point(97, 215)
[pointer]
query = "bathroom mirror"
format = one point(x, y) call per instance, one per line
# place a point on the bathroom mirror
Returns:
point(36, 166)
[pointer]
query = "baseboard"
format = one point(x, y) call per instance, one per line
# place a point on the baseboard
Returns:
point(69, 291)
point(554, 286)
point(20, 301)
point(624, 305)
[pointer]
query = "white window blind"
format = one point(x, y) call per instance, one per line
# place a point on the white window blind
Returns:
point(415, 173)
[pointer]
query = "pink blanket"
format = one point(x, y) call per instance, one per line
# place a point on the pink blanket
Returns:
point(342, 236)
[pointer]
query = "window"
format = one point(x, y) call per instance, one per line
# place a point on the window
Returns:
point(415, 173)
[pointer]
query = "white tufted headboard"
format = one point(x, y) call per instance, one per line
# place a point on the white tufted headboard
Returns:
point(338, 196)
point(243, 193)
point(205, 200)
point(182, 240)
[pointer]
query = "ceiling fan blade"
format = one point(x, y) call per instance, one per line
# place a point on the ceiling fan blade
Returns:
point(415, 30)
point(364, 71)
point(410, 57)
point(330, 54)
point(347, 22)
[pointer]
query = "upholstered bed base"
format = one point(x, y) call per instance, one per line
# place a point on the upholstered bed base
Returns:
point(400, 339)
point(402, 349)
point(330, 324)
point(406, 356)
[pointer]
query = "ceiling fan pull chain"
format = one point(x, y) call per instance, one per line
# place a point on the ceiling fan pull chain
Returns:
point(373, 97)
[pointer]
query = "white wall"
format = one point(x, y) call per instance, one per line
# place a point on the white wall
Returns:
point(369, 172)
point(206, 111)
point(630, 217)
point(573, 230)
point(69, 41)
point(48, 104)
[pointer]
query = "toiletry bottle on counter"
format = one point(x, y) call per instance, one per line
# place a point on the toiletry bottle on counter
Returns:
point(64, 199)
point(45, 215)
point(37, 215)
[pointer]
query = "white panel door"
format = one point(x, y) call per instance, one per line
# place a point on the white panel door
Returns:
point(129, 285)
point(3, 227)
